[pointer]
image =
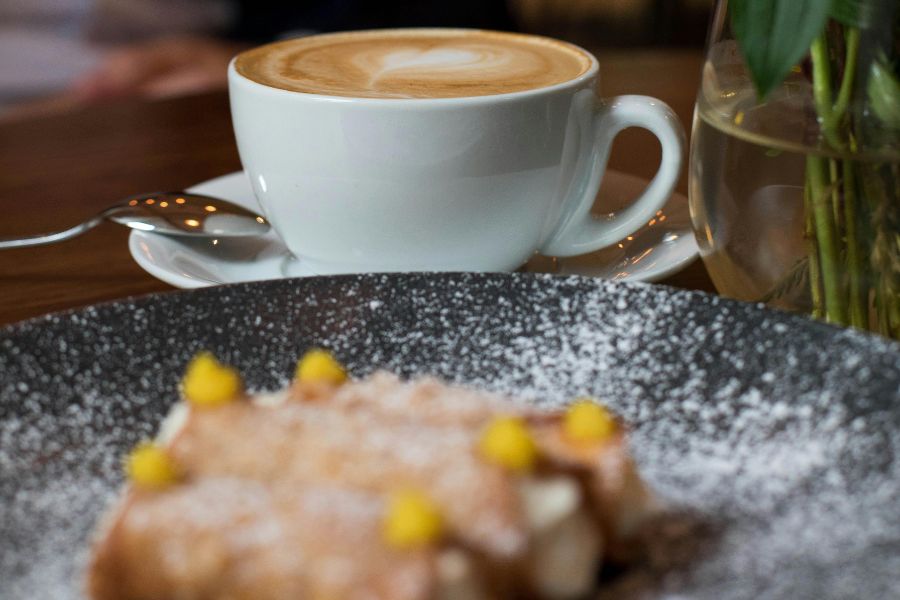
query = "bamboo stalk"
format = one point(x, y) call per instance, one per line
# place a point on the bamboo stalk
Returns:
point(812, 252)
point(823, 223)
point(858, 290)
point(837, 209)
point(822, 186)
point(822, 96)
point(851, 36)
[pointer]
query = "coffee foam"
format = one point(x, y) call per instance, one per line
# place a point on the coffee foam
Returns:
point(413, 63)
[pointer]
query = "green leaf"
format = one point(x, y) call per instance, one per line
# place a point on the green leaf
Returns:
point(884, 93)
point(775, 34)
point(853, 13)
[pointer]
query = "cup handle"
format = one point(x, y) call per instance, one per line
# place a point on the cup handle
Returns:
point(578, 232)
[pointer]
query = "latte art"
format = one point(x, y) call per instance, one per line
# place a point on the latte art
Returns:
point(413, 63)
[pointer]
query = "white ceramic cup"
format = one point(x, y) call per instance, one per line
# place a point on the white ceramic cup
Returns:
point(448, 184)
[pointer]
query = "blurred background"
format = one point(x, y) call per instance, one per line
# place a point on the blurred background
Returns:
point(62, 55)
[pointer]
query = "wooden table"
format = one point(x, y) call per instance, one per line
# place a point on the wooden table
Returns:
point(56, 171)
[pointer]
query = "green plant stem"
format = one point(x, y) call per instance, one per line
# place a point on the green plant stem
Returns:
point(823, 223)
point(834, 192)
point(831, 115)
point(812, 252)
point(822, 94)
point(831, 121)
point(851, 39)
point(858, 292)
point(822, 188)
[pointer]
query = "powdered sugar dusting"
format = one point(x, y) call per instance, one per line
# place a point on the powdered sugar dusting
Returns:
point(774, 439)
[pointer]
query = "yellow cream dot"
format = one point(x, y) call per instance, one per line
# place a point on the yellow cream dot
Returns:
point(148, 466)
point(506, 442)
point(412, 520)
point(207, 382)
point(587, 421)
point(319, 366)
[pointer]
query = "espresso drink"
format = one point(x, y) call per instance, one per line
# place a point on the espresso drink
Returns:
point(413, 63)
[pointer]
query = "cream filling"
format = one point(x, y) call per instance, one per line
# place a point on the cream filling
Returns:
point(566, 545)
point(270, 399)
point(173, 424)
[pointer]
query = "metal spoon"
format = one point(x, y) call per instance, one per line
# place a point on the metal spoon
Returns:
point(170, 213)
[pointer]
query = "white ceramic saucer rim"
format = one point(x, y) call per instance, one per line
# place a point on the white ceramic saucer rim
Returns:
point(653, 274)
point(143, 257)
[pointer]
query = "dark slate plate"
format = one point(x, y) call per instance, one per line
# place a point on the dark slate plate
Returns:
point(773, 441)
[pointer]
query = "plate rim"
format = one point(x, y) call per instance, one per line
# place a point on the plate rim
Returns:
point(795, 319)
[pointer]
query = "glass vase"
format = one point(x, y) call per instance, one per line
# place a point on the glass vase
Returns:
point(795, 198)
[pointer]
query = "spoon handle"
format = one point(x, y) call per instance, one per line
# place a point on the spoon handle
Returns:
point(49, 238)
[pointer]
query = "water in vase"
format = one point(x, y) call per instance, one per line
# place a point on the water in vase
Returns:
point(749, 167)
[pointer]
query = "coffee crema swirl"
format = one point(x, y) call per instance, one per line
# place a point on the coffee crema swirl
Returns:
point(413, 63)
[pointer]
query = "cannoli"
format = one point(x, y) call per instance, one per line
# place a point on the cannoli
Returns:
point(369, 489)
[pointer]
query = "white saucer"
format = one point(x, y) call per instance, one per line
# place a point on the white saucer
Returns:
point(664, 246)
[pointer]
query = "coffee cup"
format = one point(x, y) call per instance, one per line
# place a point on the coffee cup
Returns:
point(436, 149)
